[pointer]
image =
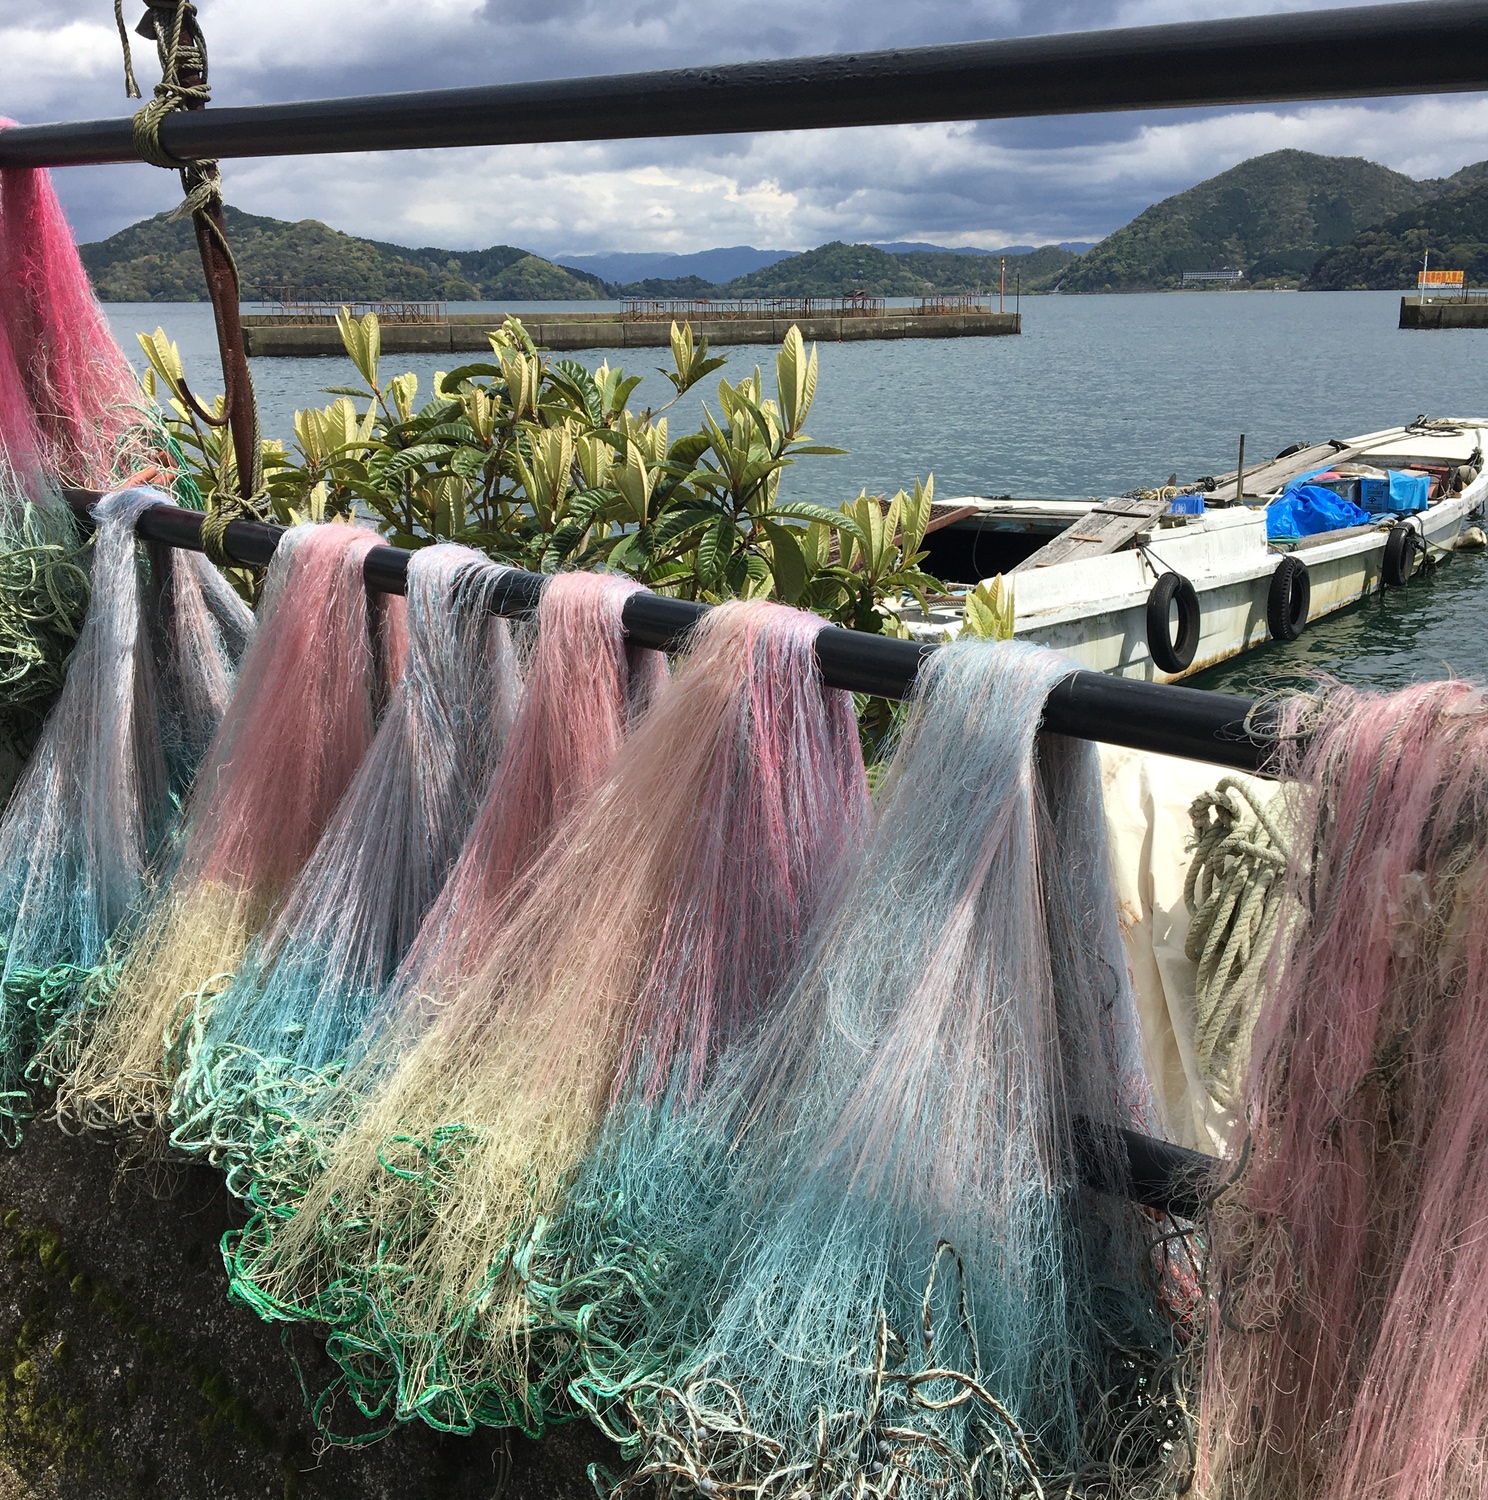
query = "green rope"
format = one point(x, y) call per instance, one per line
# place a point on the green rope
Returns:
point(44, 590)
point(1235, 894)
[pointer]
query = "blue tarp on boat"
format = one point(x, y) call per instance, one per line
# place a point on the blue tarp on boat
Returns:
point(1308, 510)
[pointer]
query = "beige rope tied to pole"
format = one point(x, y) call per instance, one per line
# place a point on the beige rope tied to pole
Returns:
point(1235, 894)
point(182, 50)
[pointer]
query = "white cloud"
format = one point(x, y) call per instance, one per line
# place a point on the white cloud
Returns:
point(41, 63)
point(951, 183)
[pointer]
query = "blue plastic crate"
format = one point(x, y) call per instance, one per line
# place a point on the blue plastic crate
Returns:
point(1399, 494)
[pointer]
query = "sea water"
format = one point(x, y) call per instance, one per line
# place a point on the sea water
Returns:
point(1099, 395)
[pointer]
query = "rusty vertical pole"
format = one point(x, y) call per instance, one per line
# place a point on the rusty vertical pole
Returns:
point(211, 238)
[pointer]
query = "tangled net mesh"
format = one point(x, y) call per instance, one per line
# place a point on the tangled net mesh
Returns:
point(729, 808)
point(1349, 1331)
point(861, 1263)
point(149, 681)
point(297, 727)
point(304, 992)
point(584, 687)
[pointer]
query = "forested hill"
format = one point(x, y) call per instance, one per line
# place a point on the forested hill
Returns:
point(156, 261)
point(1290, 217)
point(1452, 228)
point(1271, 217)
point(837, 269)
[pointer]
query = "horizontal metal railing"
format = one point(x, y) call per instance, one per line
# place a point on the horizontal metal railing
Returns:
point(1440, 46)
point(1165, 718)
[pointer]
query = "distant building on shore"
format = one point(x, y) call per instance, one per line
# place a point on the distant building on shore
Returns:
point(1198, 278)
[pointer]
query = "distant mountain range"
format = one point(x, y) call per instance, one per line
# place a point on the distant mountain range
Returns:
point(1288, 218)
point(837, 268)
point(713, 266)
point(905, 247)
point(719, 267)
point(156, 261)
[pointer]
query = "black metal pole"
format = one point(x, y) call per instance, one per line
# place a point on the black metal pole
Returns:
point(1435, 47)
point(1169, 719)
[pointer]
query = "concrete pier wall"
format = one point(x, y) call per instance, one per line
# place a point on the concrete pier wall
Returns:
point(1414, 313)
point(466, 332)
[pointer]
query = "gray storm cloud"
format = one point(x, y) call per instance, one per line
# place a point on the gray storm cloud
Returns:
point(987, 184)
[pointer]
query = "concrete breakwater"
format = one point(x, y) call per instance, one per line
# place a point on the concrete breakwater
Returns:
point(1435, 312)
point(269, 335)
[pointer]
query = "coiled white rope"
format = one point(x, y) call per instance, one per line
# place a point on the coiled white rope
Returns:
point(1235, 894)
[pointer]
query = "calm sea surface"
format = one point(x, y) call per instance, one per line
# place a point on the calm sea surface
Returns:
point(1099, 395)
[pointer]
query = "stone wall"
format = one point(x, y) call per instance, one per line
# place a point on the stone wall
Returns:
point(125, 1372)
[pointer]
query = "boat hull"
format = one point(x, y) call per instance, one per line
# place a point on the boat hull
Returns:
point(1232, 602)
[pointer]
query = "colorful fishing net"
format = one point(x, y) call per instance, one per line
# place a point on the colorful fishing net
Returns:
point(43, 595)
point(82, 395)
point(667, 910)
point(584, 687)
point(310, 980)
point(147, 687)
point(298, 726)
point(43, 578)
point(862, 1264)
point(1349, 1331)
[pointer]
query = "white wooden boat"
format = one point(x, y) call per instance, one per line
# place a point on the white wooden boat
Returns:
point(1161, 596)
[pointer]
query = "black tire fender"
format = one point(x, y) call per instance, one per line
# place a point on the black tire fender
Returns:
point(1172, 654)
point(1401, 547)
point(1288, 599)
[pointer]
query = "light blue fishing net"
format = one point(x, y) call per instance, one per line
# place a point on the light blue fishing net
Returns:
point(145, 689)
point(865, 1265)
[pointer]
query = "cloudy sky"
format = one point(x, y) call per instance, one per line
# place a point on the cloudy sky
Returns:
point(980, 184)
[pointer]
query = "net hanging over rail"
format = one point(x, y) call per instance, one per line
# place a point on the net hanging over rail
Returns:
point(1349, 1333)
point(145, 692)
point(584, 688)
point(729, 809)
point(310, 980)
point(862, 1260)
point(299, 724)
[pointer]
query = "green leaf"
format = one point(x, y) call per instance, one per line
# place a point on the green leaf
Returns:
point(807, 510)
point(622, 557)
point(362, 340)
point(714, 550)
point(915, 515)
point(676, 525)
point(795, 380)
point(686, 451)
point(454, 379)
point(666, 573)
point(789, 562)
point(988, 611)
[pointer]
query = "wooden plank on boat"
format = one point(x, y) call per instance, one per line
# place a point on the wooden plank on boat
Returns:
point(1265, 479)
point(1108, 527)
point(1323, 538)
point(946, 514)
